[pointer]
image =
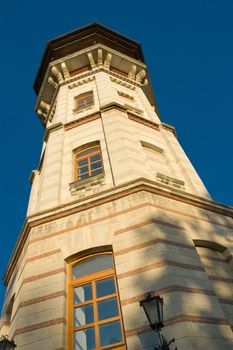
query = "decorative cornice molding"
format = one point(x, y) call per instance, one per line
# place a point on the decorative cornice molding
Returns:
point(107, 196)
point(143, 121)
point(80, 39)
point(169, 128)
point(88, 76)
point(113, 105)
point(51, 129)
point(82, 121)
point(122, 82)
point(81, 82)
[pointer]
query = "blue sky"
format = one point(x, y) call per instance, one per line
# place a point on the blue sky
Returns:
point(188, 48)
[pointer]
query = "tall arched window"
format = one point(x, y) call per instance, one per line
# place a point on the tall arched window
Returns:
point(219, 273)
point(95, 318)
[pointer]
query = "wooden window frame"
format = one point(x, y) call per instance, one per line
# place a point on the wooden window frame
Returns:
point(83, 98)
point(78, 158)
point(92, 279)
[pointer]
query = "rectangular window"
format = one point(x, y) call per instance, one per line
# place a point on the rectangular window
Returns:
point(88, 163)
point(83, 101)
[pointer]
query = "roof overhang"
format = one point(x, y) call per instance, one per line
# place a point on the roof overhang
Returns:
point(81, 38)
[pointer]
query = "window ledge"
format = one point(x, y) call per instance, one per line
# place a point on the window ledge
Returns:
point(84, 109)
point(90, 184)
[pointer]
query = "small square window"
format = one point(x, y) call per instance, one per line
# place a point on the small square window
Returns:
point(83, 101)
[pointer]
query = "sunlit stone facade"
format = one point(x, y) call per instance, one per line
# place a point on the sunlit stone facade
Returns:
point(135, 195)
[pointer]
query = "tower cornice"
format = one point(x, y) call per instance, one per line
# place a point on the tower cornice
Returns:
point(80, 68)
point(84, 37)
point(84, 52)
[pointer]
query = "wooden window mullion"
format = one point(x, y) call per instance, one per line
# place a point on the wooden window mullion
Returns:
point(89, 166)
point(87, 157)
point(93, 279)
point(119, 309)
point(97, 338)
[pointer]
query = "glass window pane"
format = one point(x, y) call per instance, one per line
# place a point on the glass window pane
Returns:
point(83, 315)
point(82, 293)
point(95, 158)
point(105, 287)
point(92, 265)
point(89, 101)
point(96, 165)
point(82, 162)
point(85, 339)
point(88, 151)
point(83, 170)
point(96, 172)
point(110, 333)
point(107, 308)
point(81, 104)
point(83, 177)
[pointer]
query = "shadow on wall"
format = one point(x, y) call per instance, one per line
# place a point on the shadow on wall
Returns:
point(161, 257)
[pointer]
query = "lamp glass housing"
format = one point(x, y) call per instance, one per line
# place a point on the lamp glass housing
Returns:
point(6, 344)
point(153, 308)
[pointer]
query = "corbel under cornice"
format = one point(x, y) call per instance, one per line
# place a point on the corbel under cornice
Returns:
point(98, 56)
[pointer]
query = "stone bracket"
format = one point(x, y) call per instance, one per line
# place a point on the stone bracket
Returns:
point(171, 181)
point(88, 186)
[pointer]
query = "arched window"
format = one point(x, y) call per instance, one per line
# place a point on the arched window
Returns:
point(213, 257)
point(88, 162)
point(95, 318)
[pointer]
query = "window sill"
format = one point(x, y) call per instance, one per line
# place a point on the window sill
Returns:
point(84, 109)
point(90, 184)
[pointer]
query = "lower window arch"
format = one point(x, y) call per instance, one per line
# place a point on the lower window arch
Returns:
point(95, 320)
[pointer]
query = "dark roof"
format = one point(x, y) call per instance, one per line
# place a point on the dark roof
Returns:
point(84, 37)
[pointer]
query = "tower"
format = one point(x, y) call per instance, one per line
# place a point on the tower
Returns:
point(116, 210)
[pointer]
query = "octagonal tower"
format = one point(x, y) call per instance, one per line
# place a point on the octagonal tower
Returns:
point(116, 210)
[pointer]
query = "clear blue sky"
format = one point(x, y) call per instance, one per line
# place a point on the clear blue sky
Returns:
point(188, 47)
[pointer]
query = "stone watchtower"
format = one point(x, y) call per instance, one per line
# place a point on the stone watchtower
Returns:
point(116, 210)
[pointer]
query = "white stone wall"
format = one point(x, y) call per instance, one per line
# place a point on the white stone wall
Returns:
point(124, 157)
point(152, 224)
point(152, 238)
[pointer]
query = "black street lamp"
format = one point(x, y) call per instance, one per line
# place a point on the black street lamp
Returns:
point(153, 308)
point(6, 344)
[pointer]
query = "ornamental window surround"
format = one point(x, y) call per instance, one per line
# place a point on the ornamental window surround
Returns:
point(95, 320)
